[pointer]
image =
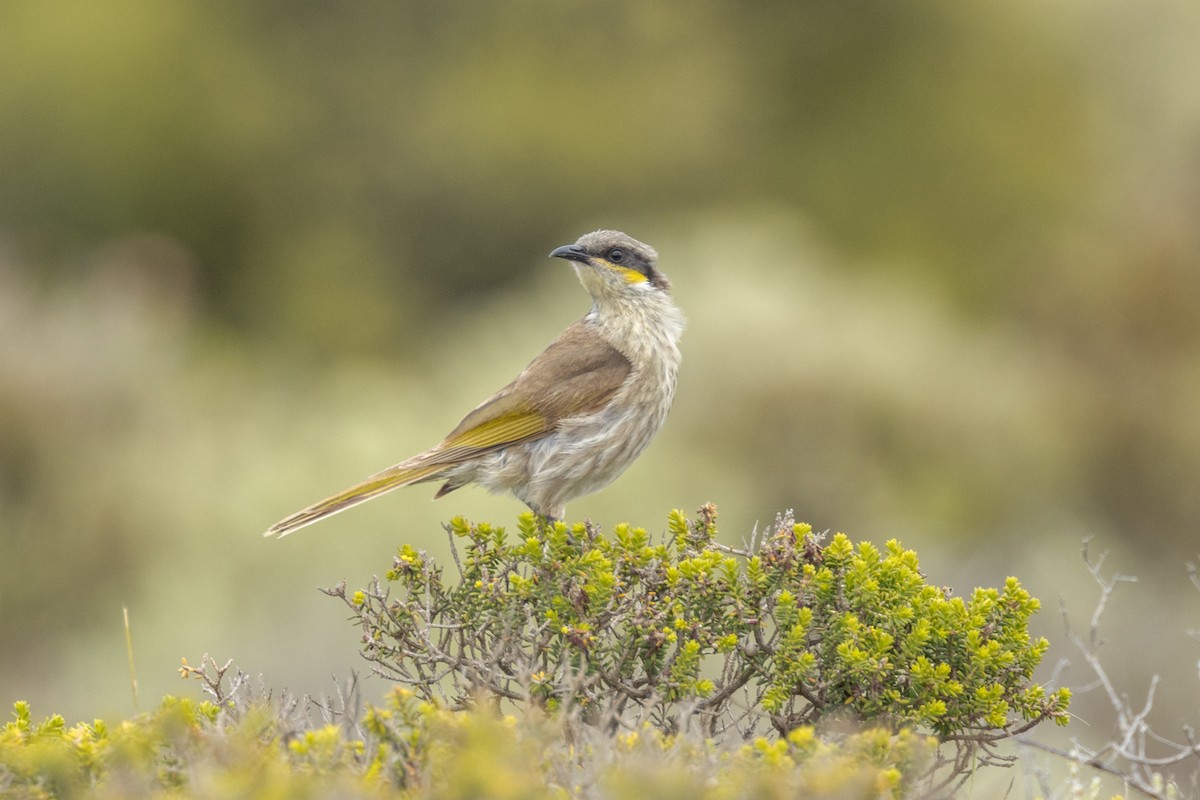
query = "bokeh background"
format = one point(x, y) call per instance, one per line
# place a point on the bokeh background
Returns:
point(941, 263)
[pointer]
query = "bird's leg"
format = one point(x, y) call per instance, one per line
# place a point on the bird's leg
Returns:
point(549, 518)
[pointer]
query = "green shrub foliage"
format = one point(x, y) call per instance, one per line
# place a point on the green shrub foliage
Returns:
point(687, 633)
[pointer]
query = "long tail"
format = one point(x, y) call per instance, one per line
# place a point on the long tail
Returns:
point(377, 484)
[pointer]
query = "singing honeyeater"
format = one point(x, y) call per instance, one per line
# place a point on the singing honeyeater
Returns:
point(578, 415)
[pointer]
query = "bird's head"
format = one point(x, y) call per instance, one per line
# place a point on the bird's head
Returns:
point(612, 265)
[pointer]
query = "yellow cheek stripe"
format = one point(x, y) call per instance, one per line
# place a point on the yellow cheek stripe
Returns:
point(631, 276)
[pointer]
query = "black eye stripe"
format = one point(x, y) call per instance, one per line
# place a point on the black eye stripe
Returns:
point(626, 258)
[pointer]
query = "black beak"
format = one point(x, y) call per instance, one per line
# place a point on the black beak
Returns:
point(571, 252)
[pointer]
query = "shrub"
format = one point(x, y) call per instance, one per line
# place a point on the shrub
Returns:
point(689, 635)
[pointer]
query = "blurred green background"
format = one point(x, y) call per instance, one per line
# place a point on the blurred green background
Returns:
point(941, 263)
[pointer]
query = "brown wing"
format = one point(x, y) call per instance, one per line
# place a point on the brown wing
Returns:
point(577, 374)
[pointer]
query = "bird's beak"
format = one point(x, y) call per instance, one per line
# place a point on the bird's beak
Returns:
point(571, 252)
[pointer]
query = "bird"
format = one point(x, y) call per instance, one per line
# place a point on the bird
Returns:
point(576, 416)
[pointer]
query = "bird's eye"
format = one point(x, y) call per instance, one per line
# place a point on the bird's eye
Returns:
point(616, 255)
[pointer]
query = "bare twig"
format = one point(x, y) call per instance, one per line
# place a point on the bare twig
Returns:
point(1125, 755)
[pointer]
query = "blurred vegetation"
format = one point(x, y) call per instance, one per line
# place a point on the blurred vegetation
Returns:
point(413, 749)
point(383, 161)
point(940, 261)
